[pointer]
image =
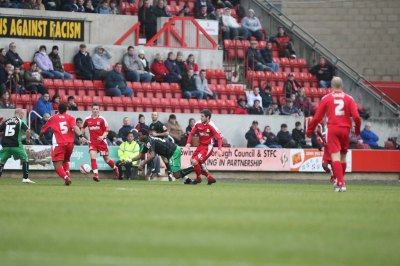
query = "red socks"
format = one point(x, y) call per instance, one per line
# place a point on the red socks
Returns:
point(197, 170)
point(204, 173)
point(344, 166)
point(94, 167)
point(111, 163)
point(338, 171)
point(61, 172)
point(66, 166)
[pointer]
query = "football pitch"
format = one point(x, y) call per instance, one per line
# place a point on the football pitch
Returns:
point(226, 224)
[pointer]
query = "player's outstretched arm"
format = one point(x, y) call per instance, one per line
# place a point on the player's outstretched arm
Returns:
point(150, 157)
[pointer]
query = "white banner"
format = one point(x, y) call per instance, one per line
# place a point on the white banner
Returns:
point(210, 26)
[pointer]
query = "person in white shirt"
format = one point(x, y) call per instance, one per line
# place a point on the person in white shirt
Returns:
point(202, 85)
point(231, 28)
point(253, 25)
point(254, 95)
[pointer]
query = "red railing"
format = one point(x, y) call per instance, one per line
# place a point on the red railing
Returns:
point(135, 29)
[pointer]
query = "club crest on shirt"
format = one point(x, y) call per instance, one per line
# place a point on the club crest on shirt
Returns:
point(148, 145)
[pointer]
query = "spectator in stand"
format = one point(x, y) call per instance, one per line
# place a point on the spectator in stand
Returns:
point(160, 71)
point(268, 59)
point(190, 63)
point(241, 109)
point(70, 6)
point(18, 83)
point(128, 150)
point(291, 86)
point(354, 139)
point(254, 95)
point(79, 124)
point(48, 136)
point(273, 109)
point(89, 8)
point(142, 58)
point(190, 126)
point(28, 139)
point(256, 109)
point(317, 141)
point(84, 64)
point(5, 102)
point(254, 137)
point(172, 67)
point(148, 20)
point(134, 67)
point(104, 8)
point(289, 109)
point(42, 106)
point(189, 87)
point(284, 43)
point(266, 96)
point(175, 130)
point(55, 101)
point(114, 9)
point(3, 58)
point(101, 61)
point(285, 139)
point(181, 64)
point(231, 28)
point(80, 6)
point(271, 140)
point(253, 25)
point(184, 12)
point(142, 123)
point(39, 5)
point(255, 61)
point(369, 137)
point(303, 103)
point(299, 136)
point(204, 14)
point(116, 83)
point(45, 65)
point(11, 80)
point(71, 104)
point(13, 57)
point(34, 80)
point(125, 129)
point(57, 64)
point(202, 85)
point(324, 73)
point(30, 4)
point(198, 6)
point(160, 9)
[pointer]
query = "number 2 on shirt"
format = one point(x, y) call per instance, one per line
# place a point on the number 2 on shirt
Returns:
point(339, 107)
point(63, 127)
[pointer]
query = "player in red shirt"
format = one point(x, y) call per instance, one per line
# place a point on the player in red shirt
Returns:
point(207, 131)
point(98, 130)
point(339, 108)
point(63, 126)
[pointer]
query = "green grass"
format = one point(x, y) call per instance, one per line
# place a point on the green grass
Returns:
point(161, 224)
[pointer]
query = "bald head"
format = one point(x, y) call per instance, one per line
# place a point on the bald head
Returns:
point(337, 83)
point(19, 113)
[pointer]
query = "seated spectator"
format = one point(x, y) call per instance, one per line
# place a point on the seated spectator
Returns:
point(7, 79)
point(142, 123)
point(160, 9)
point(189, 87)
point(303, 103)
point(202, 85)
point(71, 104)
point(128, 150)
point(17, 82)
point(55, 101)
point(3, 58)
point(369, 137)
point(180, 63)
point(317, 141)
point(142, 58)
point(324, 73)
point(84, 66)
point(80, 6)
point(125, 129)
point(200, 4)
point(266, 54)
point(103, 8)
point(175, 130)
point(45, 65)
point(28, 139)
point(255, 61)
point(42, 106)
point(48, 136)
point(299, 136)
point(70, 6)
point(116, 83)
point(256, 109)
point(204, 14)
point(101, 61)
point(160, 71)
point(30, 4)
point(79, 124)
point(271, 140)
point(57, 64)
point(273, 109)
point(5, 102)
point(266, 96)
point(241, 109)
point(291, 86)
point(184, 12)
point(13, 57)
point(34, 80)
point(254, 137)
point(285, 138)
point(114, 9)
point(354, 140)
point(190, 126)
point(289, 109)
point(254, 95)
point(231, 28)
point(172, 67)
point(253, 25)
point(39, 5)
point(89, 8)
point(148, 20)
point(284, 43)
point(134, 67)
point(190, 63)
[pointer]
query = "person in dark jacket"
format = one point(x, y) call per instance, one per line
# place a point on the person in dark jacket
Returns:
point(241, 109)
point(256, 109)
point(266, 53)
point(324, 73)
point(116, 83)
point(34, 80)
point(160, 9)
point(271, 140)
point(299, 136)
point(84, 65)
point(142, 123)
point(160, 71)
point(255, 61)
point(284, 43)
point(200, 4)
point(148, 20)
point(57, 64)
point(13, 57)
point(180, 63)
point(172, 67)
point(71, 104)
point(303, 103)
point(266, 96)
point(289, 109)
point(189, 88)
point(254, 137)
point(125, 129)
point(291, 86)
point(285, 138)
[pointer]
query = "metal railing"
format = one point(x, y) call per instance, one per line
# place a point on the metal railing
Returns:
point(316, 46)
point(30, 115)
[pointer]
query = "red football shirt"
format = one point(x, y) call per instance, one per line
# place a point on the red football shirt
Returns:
point(62, 125)
point(207, 132)
point(339, 108)
point(97, 126)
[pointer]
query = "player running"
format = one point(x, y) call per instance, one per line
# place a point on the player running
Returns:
point(207, 132)
point(63, 126)
point(326, 157)
point(12, 145)
point(339, 108)
point(98, 130)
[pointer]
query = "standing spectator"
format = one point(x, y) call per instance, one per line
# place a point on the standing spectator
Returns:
point(45, 65)
point(101, 61)
point(241, 109)
point(148, 20)
point(42, 106)
point(255, 61)
point(116, 83)
point(369, 137)
point(303, 103)
point(103, 8)
point(33, 80)
point(271, 140)
point(184, 12)
point(285, 139)
point(71, 104)
point(273, 109)
point(324, 73)
point(79, 124)
point(84, 65)
point(189, 87)
point(5, 102)
point(203, 14)
point(160, 71)
point(231, 28)
point(3, 58)
point(202, 85)
point(284, 43)
point(289, 109)
point(89, 8)
point(13, 57)
point(134, 68)
point(160, 9)
point(172, 67)
point(256, 109)
point(254, 137)
point(190, 126)
point(190, 63)
point(57, 64)
point(254, 95)
point(200, 4)
point(268, 59)
point(127, 150)
point(175, 130)
point(291, 86)
point(180, 63)
point(125, 129)
point(114, 9)
point(299, 136)
point(55, 101)
point(142, 123)
point(253, 25)
point(266, 96)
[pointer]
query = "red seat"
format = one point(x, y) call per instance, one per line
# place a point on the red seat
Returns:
point(165, 104)
point(174, 104)
point(70, 68)
point(203, 104)
point(184, 104)
point(156, 103)
point(97, 99)
point(48, 83)
point(117, 103)
point(87, 100)
point(221, 105)
point(145, 104)
point(193, 103)
point(212, 105)
point(389, 145)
